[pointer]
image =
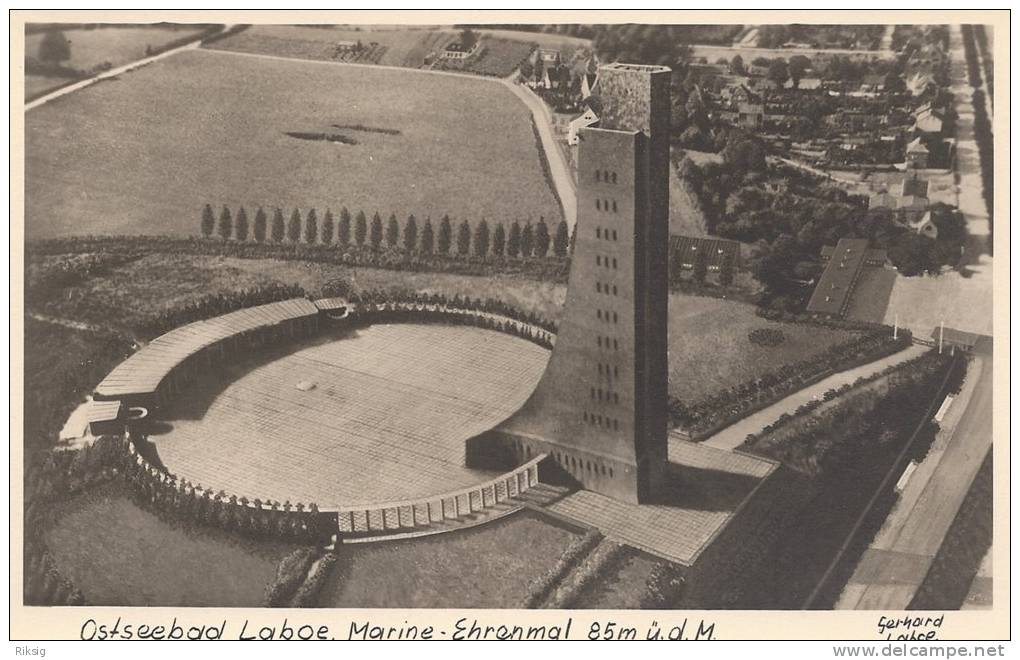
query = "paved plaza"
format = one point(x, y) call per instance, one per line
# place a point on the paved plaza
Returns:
point(382, 414)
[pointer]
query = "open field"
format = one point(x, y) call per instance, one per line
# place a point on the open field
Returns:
point(120, 554)
point(92, 48)
point(490, 566)
point(395, 47)
point(391, 408)
point(151, 147)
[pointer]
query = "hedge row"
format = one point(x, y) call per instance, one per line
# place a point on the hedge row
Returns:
point(986, 59)
point(595, 567)
point(721, 409)
point(345, 231)
point(861, 420)
point(539, 589)
point(986, 154)
point(549, 268)
point(291, 573)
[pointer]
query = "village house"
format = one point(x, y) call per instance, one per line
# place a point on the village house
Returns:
point(588, 118)
point(917, 155)
point(457, 52)
point(925, 226)
point(927, 120)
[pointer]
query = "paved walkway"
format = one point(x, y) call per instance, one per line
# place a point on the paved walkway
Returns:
point(896, 563)
point(732, 436)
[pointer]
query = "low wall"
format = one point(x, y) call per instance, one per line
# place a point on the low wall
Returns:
point(168, 493)
point(417, 514)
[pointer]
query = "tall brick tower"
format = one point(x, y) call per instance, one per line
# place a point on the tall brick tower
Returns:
point(600, 409)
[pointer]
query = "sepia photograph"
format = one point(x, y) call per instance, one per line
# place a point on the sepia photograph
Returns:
point(419, 312)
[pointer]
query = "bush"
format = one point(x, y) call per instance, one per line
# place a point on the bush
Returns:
point(308, 593)
point(290, 575)
point(664, 586)
point(540, 589)
point(766, 336)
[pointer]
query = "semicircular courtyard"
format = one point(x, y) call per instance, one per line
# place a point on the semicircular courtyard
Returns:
point(376, 414)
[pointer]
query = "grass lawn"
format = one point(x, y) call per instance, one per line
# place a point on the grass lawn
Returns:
point(120, 554)
point(709, 349)
point(623, 589)
point(490, 566)
point(708, 345)
point(144, 153)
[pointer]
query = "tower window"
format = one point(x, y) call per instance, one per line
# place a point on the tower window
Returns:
point(614, 263)
point(598, 175)
point(616, 370)
point(598, 313)
point(593, 393)
point(614, 177)
point(615, 317)
point(614, 289)
point(598, 230)
point(598, 287)
point(598, 204)
point(614, 231)
point(614, 211)
point(598, 259)
point(616, 397)
point(616, 345)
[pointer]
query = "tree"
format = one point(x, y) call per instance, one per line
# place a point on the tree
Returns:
point(561, 242)
point(360, 228)
point(376, 231)
point(278, 225)
point(208, 221)
point(54, 48)
point(498, 240)
point(226, 226)
point(527, 240)
point(343, 230)
point(513, 243)
point(799, 64)
point(312, 227)
point(778, 72)
point(241, 225)
point(526, 70)
point(427, 237)
point(445, 235)
point(392, 231)
point(482, 239)
point(737, 66)
point(894, 83)
point(410, 234)
point(541, 238)
point(468, 38)
point(328, 226)
point(260, 226)
point(726, 272)
point(463, 238)
point(294, 227)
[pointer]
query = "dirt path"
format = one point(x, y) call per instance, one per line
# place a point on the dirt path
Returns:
point(67, 323)
point(732, 436)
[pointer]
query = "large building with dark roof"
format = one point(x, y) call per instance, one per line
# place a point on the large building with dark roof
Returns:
point(846, 261)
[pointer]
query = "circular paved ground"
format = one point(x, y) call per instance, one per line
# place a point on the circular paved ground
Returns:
point(386, 419)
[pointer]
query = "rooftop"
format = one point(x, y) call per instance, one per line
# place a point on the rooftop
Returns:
point(832, 293)
point(644, 68)
point(145, 370)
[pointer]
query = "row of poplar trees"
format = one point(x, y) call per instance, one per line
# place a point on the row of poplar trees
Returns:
point(529, 240)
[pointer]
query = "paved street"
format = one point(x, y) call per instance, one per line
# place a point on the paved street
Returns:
point(898, 559)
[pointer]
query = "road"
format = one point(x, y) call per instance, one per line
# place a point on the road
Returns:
point(562, 179)
point(732, 436)
point(963, 297)
point(713, 53)
point(898, 559)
